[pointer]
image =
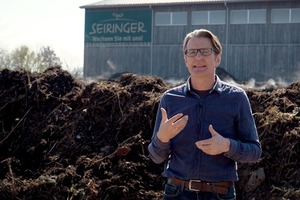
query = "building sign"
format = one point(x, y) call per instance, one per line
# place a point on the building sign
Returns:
point(127, 26)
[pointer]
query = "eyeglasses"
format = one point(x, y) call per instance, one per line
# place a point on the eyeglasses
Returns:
point(203, 52)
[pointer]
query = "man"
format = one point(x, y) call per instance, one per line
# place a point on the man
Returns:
point(203, 127)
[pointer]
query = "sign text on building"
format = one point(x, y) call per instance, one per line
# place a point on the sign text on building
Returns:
point(128, 26)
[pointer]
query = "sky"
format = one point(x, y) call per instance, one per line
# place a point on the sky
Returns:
point(58, 24)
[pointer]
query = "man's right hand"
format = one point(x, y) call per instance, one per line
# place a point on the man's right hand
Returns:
point(169, 128)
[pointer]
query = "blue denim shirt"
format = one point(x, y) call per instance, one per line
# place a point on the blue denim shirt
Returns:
point(227, 108)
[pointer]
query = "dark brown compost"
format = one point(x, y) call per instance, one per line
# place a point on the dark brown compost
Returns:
point(62, 138)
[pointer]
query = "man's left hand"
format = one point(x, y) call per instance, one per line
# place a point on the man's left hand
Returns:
point(217, 144)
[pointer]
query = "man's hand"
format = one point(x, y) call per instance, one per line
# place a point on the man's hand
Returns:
point(169, 128)
point(217, 144)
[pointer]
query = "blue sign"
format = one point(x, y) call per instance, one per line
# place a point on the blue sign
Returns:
point(126, 26)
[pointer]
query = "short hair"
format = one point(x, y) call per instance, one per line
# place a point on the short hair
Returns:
point(205, 34)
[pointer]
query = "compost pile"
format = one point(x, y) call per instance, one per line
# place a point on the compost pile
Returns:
point(64, 138)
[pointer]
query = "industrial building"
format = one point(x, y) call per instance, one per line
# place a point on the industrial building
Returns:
point(260, 38)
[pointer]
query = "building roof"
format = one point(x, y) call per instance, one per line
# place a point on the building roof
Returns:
point(135, 3)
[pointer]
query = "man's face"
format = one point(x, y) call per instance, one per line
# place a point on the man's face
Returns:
point(200, 63)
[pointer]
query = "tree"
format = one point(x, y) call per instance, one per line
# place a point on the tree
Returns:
point(4, 59)
point(46, 58)
point(24, 58)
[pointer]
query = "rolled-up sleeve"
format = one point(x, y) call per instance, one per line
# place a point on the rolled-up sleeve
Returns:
point(246, 147)
point(244, 152)
point(158, 151)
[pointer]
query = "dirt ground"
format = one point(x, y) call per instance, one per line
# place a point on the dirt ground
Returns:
point(62, 138)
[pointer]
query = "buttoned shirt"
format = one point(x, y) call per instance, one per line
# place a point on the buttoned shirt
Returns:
point(228, 109)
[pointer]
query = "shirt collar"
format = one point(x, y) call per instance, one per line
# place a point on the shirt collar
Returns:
point(217, 86)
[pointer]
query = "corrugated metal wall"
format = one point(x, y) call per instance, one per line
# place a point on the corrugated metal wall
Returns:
point(260, 51)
